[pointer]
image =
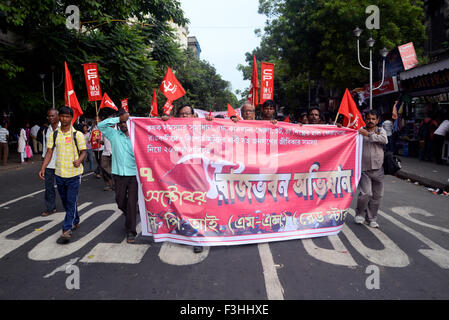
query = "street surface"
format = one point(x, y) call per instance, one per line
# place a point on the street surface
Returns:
point(407, 258)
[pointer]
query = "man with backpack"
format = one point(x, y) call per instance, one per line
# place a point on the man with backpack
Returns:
point(70, 153)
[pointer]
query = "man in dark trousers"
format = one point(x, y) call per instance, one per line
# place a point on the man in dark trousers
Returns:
point(124, 169)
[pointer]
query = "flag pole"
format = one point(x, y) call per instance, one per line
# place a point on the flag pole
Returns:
point(336, 118)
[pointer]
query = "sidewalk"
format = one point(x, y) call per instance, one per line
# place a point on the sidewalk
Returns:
point(426, 173)
point(14, 162)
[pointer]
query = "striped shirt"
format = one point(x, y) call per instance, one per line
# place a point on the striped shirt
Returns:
point(66, 152)
point(3, 133)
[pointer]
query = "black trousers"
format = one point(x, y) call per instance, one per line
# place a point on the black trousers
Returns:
point(126, 199)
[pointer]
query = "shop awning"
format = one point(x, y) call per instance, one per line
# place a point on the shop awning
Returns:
point(427, 69)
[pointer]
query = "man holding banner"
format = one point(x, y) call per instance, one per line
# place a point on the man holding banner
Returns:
point(371, 185)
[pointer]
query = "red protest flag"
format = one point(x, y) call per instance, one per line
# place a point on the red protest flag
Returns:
point(254, 89)
point(168, 106)
point(232, 112)
point(287, 119)
point(153, 111)
point(124, 104)
point(70, 98)
point(353, 119)
point(106, 102)
point(170, 87)
point(92, 81)
point(266, 81)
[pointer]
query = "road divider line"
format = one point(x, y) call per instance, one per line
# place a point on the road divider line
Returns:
point(273, 286)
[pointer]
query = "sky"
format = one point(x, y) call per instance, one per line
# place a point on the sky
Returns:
point(225, 32)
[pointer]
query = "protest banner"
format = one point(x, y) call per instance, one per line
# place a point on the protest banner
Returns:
point(267, 82)
point(92, 82)
point(124, 104)
point(218, 182)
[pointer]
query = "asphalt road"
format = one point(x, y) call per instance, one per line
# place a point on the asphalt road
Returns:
point(407, 258)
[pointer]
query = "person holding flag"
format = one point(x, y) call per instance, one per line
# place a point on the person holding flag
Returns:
point(70, 153)
point(124, 169)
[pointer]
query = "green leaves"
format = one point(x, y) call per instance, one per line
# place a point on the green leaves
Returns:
point(312, 39)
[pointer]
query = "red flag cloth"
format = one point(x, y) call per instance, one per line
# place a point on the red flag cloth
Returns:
point(168, 106)
point(171, 88)
point(232, 112)
point(154, 112)
point(69, 94)
point(107, 102)
point(124, 104)
point(287, 119)
point(353, 119)
point(254, 89)
point(92, 81)
point(266, 82)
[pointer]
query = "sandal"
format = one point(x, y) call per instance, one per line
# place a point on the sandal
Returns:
point(65, 237)
point(76, 226)
point(45, 213)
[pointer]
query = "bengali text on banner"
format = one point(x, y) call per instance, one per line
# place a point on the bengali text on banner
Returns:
point(218, 182)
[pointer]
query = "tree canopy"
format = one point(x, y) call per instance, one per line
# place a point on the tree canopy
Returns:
point(311, 41)
point(131, 41)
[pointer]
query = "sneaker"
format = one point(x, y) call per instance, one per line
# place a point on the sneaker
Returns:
point(359, 219)
point(374, 224)
point(130, 238)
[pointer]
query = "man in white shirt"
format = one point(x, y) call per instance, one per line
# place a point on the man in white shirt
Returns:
point(50, 193)
point(37, 146)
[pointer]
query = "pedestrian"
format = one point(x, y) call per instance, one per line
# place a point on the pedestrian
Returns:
point(439, 136)
point(4, 136)
point(314, 115)
point(49, 174)
point(123, 170)
point(269, 111)
point(248, 111)
point(303, 118)
point(388, 127)
point(70, 153)
point(37, 146)
point(371, 184)
point(106, 164)
point(90, 154)
point(21, 145)
point(97, 147)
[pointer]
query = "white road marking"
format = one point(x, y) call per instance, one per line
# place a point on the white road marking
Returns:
point(273, 286)
point(436, 253)
point(48, 249)
point(181, 255)
point(338, 256)
point(117, 252)
point(8, 245)
point(406, 211)
point(32, 194)
point(62, 268)
point(390, 256)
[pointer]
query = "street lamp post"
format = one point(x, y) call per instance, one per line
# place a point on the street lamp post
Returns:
point(383, 52)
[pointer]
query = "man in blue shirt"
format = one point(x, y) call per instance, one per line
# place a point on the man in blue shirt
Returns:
point(123, 169)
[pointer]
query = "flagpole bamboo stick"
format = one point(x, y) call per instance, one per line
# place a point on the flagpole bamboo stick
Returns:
point(336, 118)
